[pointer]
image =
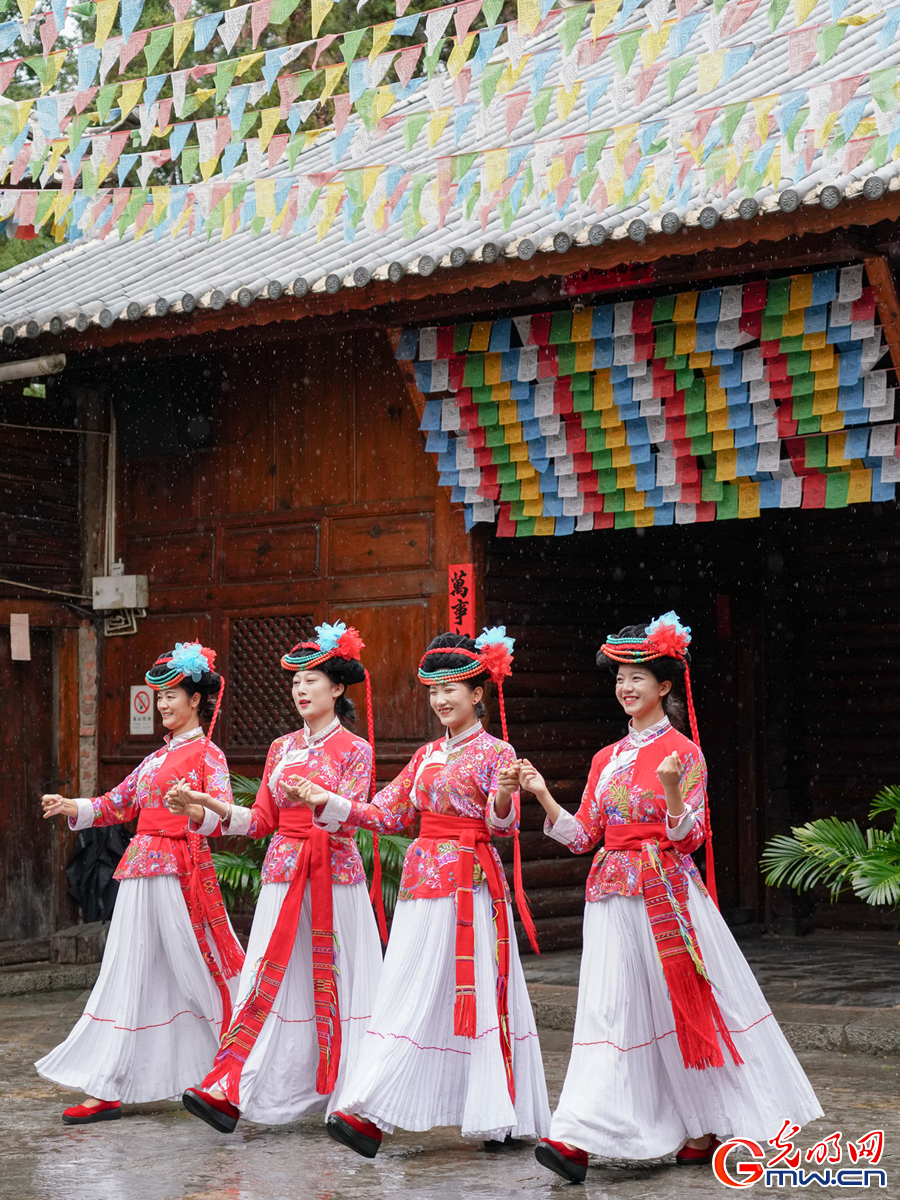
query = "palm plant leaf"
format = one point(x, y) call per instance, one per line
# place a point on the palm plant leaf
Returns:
point(821, 852)
point(877, 880)
point(887, 800)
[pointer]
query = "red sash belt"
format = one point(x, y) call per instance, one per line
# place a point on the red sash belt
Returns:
point(694, 1007)
point(200, 889)
point(314, 864)
point(474, 842)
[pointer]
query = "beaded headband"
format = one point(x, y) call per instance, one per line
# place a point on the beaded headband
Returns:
point(188, 659)
point(665, 637)
point(492, 656)
point(333, 641)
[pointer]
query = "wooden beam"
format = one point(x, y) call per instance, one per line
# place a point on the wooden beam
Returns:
point(881, 277)
point(690, 242)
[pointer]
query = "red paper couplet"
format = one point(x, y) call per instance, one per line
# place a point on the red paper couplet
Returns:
point(461, 595)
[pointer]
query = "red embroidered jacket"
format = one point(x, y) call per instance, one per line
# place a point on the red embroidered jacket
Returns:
point(622, 788)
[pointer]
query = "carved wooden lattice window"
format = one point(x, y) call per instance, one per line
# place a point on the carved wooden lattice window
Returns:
point(261, 708)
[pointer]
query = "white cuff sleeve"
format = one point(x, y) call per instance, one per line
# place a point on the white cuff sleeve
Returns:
point(207, 826)
point(239, 823)
point(333, 814)
point(85, 818)
point(677, 831)
point(565, 830)
point(495, 822)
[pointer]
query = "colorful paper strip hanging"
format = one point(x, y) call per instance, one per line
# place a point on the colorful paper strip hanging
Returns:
point(702, 406)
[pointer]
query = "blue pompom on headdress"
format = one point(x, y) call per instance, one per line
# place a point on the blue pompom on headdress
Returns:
point(495, 636)
point(190, 660)
point(328, 636)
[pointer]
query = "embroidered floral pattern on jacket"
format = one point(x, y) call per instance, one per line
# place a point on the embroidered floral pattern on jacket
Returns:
point(460, 782)
point(146, 787)
point(338, 761)
point(623, 788)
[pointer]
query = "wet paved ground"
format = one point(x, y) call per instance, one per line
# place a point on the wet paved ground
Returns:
point(856, 970)
point(161, 1153)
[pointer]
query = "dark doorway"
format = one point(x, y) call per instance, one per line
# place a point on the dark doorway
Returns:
point(796, 655)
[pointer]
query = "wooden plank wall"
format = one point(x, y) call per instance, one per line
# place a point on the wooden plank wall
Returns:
point(40, 545)
point(39, 529)
point(315, 502)
point(846, 659)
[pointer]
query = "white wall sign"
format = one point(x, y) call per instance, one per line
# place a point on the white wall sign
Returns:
point(141, 709)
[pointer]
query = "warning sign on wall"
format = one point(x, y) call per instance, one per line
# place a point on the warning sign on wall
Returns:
point(141, 709)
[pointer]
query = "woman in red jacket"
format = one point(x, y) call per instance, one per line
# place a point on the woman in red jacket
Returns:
point(165, 990)
point(675, 1046)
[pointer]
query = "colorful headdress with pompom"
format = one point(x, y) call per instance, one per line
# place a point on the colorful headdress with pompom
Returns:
point(189, 660)
point(665, 637)
point(492, 656)
point(332, 641)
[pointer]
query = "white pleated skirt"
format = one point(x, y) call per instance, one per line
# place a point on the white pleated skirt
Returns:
point(627, 1093)
point(412, 1070)
point(278, 1082)
point(152, 1022)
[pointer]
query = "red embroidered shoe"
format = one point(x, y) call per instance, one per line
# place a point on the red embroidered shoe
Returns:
point(556, 1156)
point(689, 1156)
point(82, 1114)
point(215, 1111)
point(362, 1136)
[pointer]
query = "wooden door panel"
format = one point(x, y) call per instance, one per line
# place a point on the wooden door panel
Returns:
point(159, 490)
point(395, 635)
point(391, 462)
point(242, 478)
point(172, 558)
point(313, 404)
point(361, 545)
point(270, 552)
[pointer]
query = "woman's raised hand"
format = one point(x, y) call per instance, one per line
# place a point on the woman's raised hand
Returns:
point(55, 805)
point(670, 770)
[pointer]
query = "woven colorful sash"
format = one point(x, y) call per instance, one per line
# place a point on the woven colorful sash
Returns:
point(474, 839)
point(314, 864)
point(200, 889)
point(694, 1007)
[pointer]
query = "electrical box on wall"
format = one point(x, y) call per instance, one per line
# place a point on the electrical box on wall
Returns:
point(120, 591)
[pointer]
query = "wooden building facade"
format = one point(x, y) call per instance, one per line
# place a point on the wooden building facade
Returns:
point(270, 474)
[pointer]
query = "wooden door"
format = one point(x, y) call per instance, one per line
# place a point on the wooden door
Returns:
point(29, 882)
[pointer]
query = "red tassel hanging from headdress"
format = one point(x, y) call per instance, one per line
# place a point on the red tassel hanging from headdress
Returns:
point(375, 892)
point(494, 652)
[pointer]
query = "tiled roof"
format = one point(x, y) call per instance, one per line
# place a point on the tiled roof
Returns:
point(103, 281)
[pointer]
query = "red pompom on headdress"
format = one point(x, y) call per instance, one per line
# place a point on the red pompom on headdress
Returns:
point(350, 644)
